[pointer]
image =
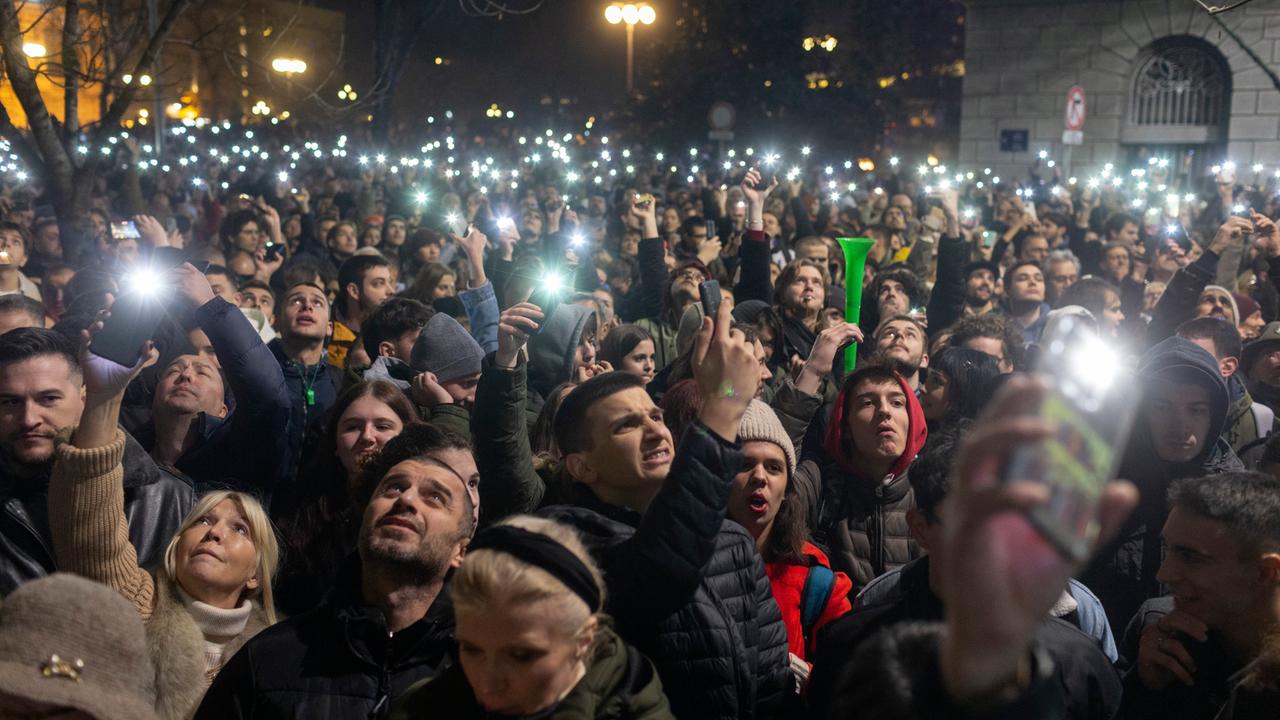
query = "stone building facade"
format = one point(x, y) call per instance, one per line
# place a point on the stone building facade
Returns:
point(1162, 78)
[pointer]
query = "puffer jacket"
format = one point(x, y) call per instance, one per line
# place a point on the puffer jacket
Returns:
point(860, 521)
point(337, 661)
point(721, 651)
point(619, 684)
point(1123, 574)
point(686, 587)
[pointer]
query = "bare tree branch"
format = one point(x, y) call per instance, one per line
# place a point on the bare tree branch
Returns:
point(71, 70)
point(116, 110)
point(23, 80)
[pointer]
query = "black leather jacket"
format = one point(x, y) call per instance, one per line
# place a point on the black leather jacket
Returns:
point(155, 502)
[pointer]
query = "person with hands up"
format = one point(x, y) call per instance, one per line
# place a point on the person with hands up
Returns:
point(662, 295)
point(211, 593)
point(193, 429)
point(755, 253)
point(479, 300)
point(1182, 295)
point(655, 511)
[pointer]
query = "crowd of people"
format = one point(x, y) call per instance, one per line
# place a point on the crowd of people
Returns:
point(457, 431)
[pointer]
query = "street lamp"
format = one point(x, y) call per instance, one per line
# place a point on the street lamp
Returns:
point(630, 14)
point(289, 66)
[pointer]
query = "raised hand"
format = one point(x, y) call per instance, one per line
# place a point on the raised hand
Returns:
point(1231, 233)
point(192, 284)
point(998, 575)
point(725, 366)
point(151, 230)
point(823, 355)
point(106, 379)
point(1265, 232)
point(645, 213)
point(514, 327)
point(755, 194)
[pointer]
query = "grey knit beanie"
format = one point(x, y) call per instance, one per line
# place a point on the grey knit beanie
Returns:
point(759, 423)
point(70, 642)
point(445, 348)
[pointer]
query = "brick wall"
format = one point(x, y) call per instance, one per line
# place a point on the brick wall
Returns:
point(1023, 55)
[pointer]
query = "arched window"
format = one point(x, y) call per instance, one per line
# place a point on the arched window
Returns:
point(1180, 82)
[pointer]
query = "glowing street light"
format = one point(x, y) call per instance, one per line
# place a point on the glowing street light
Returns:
point(289, 66)
point(34, 50)
point(630, 14)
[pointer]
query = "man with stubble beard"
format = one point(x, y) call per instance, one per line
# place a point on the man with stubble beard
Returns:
point(42, 396)
point(386, 623)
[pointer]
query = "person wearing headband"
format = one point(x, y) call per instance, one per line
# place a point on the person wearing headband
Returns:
point(531, 639)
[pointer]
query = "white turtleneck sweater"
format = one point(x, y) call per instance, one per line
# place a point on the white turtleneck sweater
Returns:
point(218, 626)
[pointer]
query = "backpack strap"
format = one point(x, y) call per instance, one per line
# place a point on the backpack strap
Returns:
point(818, 585)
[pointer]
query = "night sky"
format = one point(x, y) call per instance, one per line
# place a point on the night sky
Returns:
point(565, 48)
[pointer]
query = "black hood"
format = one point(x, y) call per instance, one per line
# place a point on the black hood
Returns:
point(1182, 361)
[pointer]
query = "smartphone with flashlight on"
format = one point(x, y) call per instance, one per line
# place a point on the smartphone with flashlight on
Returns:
point(1090, 405)
point(457, 224)
point(548, 296)
point(988, 238)
point(137, 312)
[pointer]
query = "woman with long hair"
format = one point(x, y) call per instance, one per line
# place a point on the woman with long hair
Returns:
point(321, 532)
point(532, 641)
point(630, 348)
point(764, 500)
point(433, 281)
point(213, 591)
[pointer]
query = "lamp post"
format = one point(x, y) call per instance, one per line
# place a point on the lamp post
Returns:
point(630, 14)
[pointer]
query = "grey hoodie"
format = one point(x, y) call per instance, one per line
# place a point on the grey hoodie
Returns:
point(551, 352)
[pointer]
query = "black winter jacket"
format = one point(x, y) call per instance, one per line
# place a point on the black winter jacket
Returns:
point(155, 502)
point(685, 586)
point(249, 449)
point(337, 661)
point(1091, 687)
point(1215, 674)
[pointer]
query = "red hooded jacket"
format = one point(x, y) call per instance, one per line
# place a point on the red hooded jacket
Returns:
point(838, 447)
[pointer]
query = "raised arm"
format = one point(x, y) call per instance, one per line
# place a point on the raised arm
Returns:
point(86, 493)
point(657, 569)
point(254, 436)
point(754, 283)
point(652, 256)
point(1178, 303)
point(479, 300)
point(509, 484)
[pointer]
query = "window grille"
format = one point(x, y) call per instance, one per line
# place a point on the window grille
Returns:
point(1179, 84)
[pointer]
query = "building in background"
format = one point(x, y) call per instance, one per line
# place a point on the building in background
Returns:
point(1162, 79)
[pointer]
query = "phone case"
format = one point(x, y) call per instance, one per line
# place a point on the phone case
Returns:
point(133, 321)
point(1091, 402)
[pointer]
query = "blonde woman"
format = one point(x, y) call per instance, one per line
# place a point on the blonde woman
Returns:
point(213, 591)
point(531, 639)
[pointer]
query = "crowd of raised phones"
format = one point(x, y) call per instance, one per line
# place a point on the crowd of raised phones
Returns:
point(447, 432)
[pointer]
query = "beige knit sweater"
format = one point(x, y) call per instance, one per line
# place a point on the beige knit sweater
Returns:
point(87, 521)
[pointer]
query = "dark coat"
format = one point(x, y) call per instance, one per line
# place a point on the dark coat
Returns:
point(249, 449)
point(860, 521)
point(337, 661)
point(155, 503)
point(685, 586)
point(1091, 687)
point(1123, 574)
point(1215, 674)
point(324, 380)
point(619, 684)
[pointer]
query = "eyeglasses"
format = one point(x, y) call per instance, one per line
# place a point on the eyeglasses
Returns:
point(690, 274)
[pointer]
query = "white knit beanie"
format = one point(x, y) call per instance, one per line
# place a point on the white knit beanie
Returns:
point(759, 423)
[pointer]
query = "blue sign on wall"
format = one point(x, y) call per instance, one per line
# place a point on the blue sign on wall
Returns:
point(1013, 141)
